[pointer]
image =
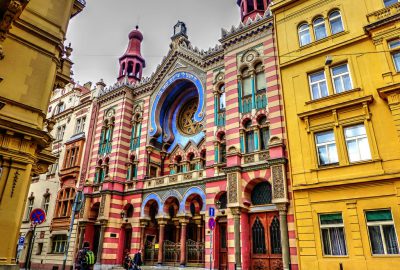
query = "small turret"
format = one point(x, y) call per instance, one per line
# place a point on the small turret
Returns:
point(132, 62)
point(250, 8)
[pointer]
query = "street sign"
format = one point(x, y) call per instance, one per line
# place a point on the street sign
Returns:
point(38, 216)
point(211, 211)
point(79, 200)
point(211, 223)
point(21, 241)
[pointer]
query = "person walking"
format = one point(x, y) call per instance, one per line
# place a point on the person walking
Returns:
point(85, 258)
point(127, 260)
point(137, 260)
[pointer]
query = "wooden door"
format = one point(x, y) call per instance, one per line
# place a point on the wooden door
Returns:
point(223, 247)
point(266, 251)
point(128, 239)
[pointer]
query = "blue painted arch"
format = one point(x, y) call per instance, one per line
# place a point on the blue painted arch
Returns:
point(150, 197)
point(193, 191)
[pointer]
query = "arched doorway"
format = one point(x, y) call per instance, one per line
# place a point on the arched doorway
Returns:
point(221, 245)
point(150, 234)
point(171, 245)
point(265, 240)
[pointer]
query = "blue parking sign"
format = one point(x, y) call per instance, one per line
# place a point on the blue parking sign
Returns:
point(21, 241)
point(211, 211)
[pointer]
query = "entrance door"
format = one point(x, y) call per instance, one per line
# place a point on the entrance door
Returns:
point(128, 239)
point(96, 238)
point(223, 257)
point(266, 250)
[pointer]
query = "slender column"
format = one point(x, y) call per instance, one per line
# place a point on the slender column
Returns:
point(236, 227)
point(162, 224)
point(198, 233)
point(100, 249)
point(284, 236)
point(183, 242)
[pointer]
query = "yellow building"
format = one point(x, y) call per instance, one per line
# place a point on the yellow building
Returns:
point(32, 61)
point(340, 72)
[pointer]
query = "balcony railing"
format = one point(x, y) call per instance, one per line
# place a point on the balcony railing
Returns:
point(384, 13)
point(254, 157)
point(174, 179)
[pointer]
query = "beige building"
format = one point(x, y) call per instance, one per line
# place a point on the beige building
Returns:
point(70, 108)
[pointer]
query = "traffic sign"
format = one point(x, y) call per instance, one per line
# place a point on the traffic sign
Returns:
point(211, 211)
point(38, 216)
point(211, 223)
point(21, 241)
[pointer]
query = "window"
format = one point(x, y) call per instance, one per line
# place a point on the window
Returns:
point(394, 46)
point(258, 234)
point(275, 232)
point(132, 169)
point(326, 148)
point(261, 194)
point(59, 244)
point(80, 125)
point(335, 21)
point(332, 231)
point(249, 137)
point(29, 208)
point(60, 108)
point(65, 201)
point(222, 100)
point(60, 133)
point(247, 86)
point(264, 133)
point(389, 2)
point(319, 28)
point(46, 202)
point(250, 5)
point(318, 85)
point(39, 249)
point(304, 34)
point(357, 143)
point(341, 78)
point(260, 78)
point(260, 4)
point(382, 234)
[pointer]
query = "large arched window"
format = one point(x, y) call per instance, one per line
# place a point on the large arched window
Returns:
point(261, 87)
point(261, 194)
point(335, 22)
point(246, 90)
point(304, 34)
point(319, 28)
point(65, 200)
point(106, 136)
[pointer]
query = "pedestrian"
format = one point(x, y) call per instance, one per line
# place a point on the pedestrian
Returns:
point(127, 259)
point(137, 260)
point(85, 258)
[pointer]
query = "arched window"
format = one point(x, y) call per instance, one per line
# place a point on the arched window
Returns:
point(106, 136)
point(46, 202)
point(191, 161)
point(203, 159)
point(222, 148)
point(130, 68)
point(275, 233)
point(304, 34)
point(59, 108)
point(260, 78)
point(222, 201)
point(264, 132)
point(136, 133)
point(335, 21)
point(123, 69)
point(261, 194)
point(179, 165)
point(65, 201)
point(222, 101)
point(249, 137)
point(129, 211)
point(258, 235)
point(247, 90)
point(137, 70)
point(319, 28)
point(132, 169)
point(260, 4)
point(250, 6)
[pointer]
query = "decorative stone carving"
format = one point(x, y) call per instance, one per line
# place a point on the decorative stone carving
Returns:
point(102, 205)
point(249, 159)
point(278, 182)
point(232, 188)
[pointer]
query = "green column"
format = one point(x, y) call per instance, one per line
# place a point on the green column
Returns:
point(215, 109)
point(240, 96)
point(140, 134)
point(253, 92)
point(216, 158)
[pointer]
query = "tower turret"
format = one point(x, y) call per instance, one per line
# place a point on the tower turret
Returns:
point(132, 63)
point(250, 8)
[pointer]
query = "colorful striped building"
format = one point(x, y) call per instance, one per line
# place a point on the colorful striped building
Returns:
point(205, 130)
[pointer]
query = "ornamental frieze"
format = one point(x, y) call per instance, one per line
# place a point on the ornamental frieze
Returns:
point(232, 188)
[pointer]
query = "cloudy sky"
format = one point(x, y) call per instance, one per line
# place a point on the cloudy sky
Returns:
point(99, 35)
